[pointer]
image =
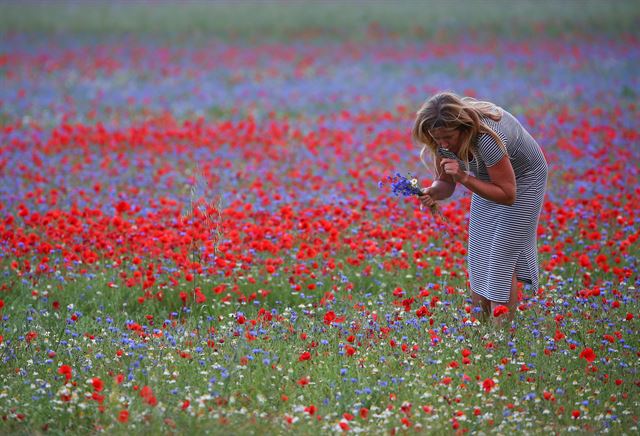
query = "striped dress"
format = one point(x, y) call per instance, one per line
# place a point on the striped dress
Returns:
point(502, 239)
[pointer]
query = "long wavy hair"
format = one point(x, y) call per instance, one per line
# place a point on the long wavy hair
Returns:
point(451, 111)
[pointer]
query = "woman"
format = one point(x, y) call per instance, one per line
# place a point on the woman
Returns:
point(483, 147)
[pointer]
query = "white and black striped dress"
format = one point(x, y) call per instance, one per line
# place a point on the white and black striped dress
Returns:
point(503, 239)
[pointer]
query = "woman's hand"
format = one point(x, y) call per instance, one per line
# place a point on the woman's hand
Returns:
point(439, 190)
point(426, 200)
point(452, 168)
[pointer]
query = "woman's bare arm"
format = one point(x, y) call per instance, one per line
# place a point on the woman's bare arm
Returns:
point(501, 188)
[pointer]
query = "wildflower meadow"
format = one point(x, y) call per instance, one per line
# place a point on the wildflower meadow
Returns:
point(198, 233)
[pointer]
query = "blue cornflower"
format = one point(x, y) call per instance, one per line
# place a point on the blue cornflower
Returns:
point(405, 186)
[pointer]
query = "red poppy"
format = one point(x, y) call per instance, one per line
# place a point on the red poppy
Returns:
point(147, 394)
point(588, 354)
point(488, 384)
point(304, 356)
point(500, 310)
point(98, 385)
point(329, 317)
point(123, 416)
point(66, 371)
point(200, 297)
point(422, 311)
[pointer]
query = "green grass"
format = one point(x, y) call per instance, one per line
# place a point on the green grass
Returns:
point(229, 395)
point(349, 19)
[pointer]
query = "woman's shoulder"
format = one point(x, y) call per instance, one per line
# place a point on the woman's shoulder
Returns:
point(501, 113)
point(487, 141)
point(495, 126)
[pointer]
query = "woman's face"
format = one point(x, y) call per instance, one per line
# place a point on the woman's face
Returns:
point(448, 138)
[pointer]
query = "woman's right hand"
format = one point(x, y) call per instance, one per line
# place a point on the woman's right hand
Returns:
point(425, 199)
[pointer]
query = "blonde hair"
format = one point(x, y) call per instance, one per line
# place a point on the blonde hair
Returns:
point(450, 111)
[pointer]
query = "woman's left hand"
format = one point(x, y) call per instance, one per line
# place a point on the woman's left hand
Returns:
point(452, 167)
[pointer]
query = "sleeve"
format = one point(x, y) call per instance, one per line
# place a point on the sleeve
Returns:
point(489, 150)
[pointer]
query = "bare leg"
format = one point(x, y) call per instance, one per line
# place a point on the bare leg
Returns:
point(483, 303)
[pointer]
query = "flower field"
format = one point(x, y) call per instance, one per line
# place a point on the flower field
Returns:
point(194, 236)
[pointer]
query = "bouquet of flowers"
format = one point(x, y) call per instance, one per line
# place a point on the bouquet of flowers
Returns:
point(408, 186)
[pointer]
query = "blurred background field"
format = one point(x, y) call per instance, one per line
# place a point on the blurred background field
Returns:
point(221, 59)
point(265, 20)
